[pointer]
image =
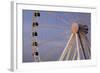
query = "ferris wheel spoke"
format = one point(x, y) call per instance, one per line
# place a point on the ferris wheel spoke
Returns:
point(66, 48)
point(87, 47)
point(52, 39)
point(52, 26)
point(58, 17)
point(74, 55)
point(70, 48)
point(53, 50)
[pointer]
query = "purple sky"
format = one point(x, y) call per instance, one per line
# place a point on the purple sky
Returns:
point(53, 32)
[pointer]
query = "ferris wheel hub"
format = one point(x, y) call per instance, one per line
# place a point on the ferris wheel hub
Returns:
point(75, 27)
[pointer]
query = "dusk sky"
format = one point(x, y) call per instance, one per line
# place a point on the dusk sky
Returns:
point(54, 31)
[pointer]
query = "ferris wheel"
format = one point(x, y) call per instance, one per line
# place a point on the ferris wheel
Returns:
point(77, 47)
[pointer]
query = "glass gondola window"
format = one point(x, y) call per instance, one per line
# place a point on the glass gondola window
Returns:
point(34, 34)
point(35, 24)
point(36, 14)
